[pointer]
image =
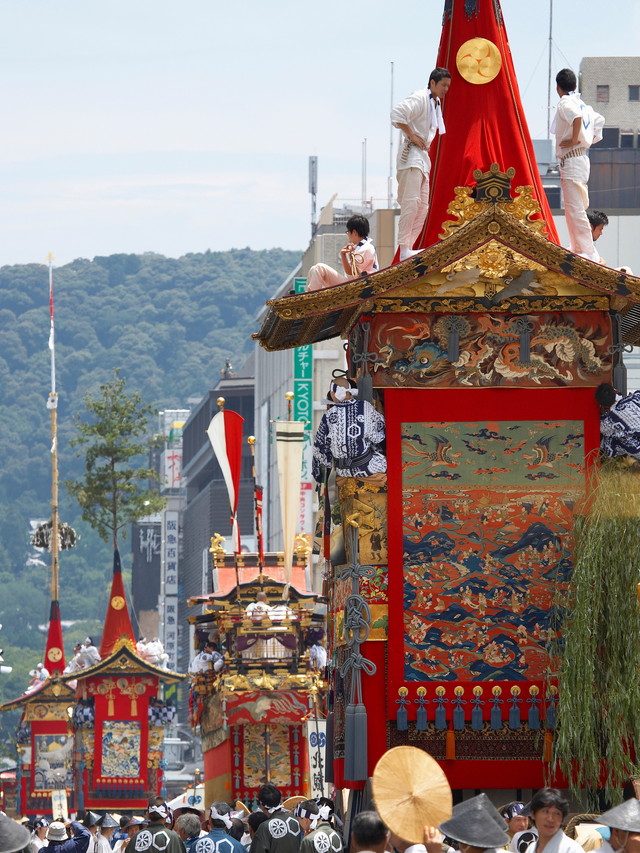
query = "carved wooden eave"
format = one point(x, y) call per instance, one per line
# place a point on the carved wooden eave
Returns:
point(496, 233)
point(124, 660)
point(50, 692)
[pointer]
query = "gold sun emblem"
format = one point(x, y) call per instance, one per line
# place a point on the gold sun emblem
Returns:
point(117, 602)
point(479, 61)
point(55, 653)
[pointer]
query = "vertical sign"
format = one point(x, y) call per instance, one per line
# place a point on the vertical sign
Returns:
point(170, 565)
point(315, 732)
point(303, 411)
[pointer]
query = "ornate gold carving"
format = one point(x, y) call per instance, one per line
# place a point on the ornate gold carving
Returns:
point(494, 185)
point(117, 602)
point(303, 546)
point(217, 548)
point(493, 228)
point(495, 260)
point(478, 61)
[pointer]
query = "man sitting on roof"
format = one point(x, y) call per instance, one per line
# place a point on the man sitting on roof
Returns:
point(358, 257)
point(619, 422)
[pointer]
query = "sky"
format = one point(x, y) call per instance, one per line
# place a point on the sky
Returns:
point(177, 127)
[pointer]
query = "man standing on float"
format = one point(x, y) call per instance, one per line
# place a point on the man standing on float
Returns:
point(419, 117)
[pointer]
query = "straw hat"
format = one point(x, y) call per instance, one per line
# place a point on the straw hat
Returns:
point(290, 803)
point(240, 807)
point(12, 836)
point(471, 823)
point(410, 791)
point(626, 816)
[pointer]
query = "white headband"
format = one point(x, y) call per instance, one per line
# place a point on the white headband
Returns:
point(340, 392)
point(214, 814)
point(314, 817)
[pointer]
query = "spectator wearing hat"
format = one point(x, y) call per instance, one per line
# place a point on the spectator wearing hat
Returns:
point(624, 822)
point(121, 832)
point(476, 825)
point(189, 829)
point(549, 810)
point(157, 835)
point(108, 825)
point(39, 834)
point(132, 828)
point(13, 836)
point(217, 840)
point(57, 837)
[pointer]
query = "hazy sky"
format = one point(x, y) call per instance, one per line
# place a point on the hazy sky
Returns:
point(177, 126)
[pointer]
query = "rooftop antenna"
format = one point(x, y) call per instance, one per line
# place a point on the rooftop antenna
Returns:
point(313, 189)
point(549, 78)
point(364, 173)
point(390, 178)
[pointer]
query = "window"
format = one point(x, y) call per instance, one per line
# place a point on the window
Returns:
point(634, 93)
point(602, 94)
point(626, 139)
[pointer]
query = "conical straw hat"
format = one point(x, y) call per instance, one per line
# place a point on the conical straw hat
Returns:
point(410, 791)
point(292, 802)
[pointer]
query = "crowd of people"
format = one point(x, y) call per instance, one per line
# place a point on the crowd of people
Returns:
point(474, 826)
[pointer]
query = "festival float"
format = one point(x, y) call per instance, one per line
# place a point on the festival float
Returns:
point(483, 351)
point(258, 675)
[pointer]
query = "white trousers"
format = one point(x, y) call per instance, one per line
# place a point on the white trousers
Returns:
point(413, 198)
point(574, 177)
point(321, 276)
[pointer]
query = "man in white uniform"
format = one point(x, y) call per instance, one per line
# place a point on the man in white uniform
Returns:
point(577, 126)
point(419, 117)
point(358, 257)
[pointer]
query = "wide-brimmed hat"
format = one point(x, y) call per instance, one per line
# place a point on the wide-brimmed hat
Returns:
point(410, 791)
point(476, 822)
point(92, 819)
point(57, 831)
point(626, 816)
point(108, 822)
point(12, 836)
point(136, 821)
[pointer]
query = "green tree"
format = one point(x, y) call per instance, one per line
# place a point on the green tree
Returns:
point(115, 490)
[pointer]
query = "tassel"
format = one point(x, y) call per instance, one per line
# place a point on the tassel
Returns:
point(328, 750)
point(514, 717)
point(450, 751)
point(534, 717)
point(360, 769)
point(349, 741)
point(421, 719)
point(476, 719)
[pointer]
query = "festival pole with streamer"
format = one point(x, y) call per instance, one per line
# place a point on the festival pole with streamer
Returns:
point(257, 500)
point(289, 447)
point(225, 435)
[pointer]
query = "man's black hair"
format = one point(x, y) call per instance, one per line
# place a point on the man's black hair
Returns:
point(256, 818)
point(597, 217)
point(269, 796)
point(368, 830)
point(439, 74)
point(358, 223)
point(549, 798)
point(309, 806)
point(237, 828)
point(221, 808)
point(566, 80)
point(605, 395)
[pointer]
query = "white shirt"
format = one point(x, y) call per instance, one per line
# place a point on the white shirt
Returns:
point(420, 112)
point(558, 843)
point(570, 107)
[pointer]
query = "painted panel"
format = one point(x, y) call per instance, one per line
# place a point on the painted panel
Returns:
point(121, 749)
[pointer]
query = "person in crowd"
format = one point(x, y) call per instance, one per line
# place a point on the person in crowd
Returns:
point(319, 835)
point(58, 837)
point(13, 836)
point(281, 833)
point(549, 810)
point(189, 829)
point(217, 840)
point(619, 421)
point(624, 823)
point(121, 832)
point(369, 833)
point(132, 829)
point(108, 825)
point(419, 118)
point(39, 834)
point(515, 820)
point(157, 835)
point(577, 126)
point(254, 820)
point(90, 655)
point(358, 256)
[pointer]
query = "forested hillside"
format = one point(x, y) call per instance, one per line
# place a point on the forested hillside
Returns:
point(169, 324)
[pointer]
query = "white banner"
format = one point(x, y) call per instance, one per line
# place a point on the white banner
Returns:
point(315, 732)
point(59, 805)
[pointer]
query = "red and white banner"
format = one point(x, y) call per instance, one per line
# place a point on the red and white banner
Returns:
point(225, 435)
